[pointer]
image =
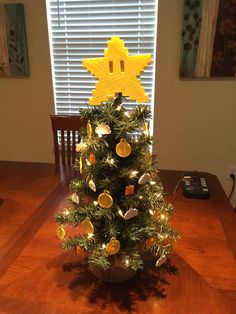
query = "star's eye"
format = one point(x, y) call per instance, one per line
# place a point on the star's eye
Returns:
point(111, 66)
point(122, 66)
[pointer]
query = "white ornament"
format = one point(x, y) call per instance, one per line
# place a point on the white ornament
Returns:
point(145, 178)
point(75, 198)
point(161, 261)
point(132, 212)
point(92, 185)
point(103, 129)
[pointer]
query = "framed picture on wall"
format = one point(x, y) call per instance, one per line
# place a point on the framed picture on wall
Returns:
point(13, 44)
point(208, 47)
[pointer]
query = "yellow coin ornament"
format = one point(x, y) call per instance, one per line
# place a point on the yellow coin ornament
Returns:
point(123, 149)
point(87, 225)
point(148, 157)
point(105, 199)
point(89, 129)
point(113, 246)
point(61, 232)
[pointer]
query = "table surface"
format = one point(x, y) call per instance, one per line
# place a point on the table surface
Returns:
point(37, 276)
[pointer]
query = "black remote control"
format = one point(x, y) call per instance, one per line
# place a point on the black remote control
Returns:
point(195, 185)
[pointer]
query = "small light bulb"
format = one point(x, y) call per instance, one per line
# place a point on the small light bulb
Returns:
point(126, 114)
point(140, 197)
point(127, 262)
point(120, 213)
point(95, 203)
point(66, 212)
point(163, 216)
point(90, 235)
point(151, 212)
point(100, 135)
point(88, 162)
point(112, 161)
point(161, 236)
point(118, 108)
point(103, 245)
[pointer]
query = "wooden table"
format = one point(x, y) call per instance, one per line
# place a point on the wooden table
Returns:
point(37, 276)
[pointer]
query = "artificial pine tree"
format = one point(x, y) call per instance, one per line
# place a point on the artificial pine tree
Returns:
point(118, 199)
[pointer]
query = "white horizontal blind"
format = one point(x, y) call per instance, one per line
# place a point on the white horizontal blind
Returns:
point(80, 29)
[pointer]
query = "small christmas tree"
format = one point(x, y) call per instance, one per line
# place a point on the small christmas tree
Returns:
point(118, 201)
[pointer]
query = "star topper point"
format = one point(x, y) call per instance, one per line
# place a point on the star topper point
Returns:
point(117, 72)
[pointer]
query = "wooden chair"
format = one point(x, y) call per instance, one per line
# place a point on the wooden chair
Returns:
point(66, 134)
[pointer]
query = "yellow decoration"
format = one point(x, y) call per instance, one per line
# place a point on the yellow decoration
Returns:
point(61, 232)
point(89, 129)
point(145, 128)
point(148, 157)
point(113, 246)
point(87, 225)
point(123, 149)
point(105, 199)
point(117, 72)
point(129, 189)
point(92, 159)
point(80, 165)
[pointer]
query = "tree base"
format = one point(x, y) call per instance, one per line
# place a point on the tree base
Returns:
point(114, 274)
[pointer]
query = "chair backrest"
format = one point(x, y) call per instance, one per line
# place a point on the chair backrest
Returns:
point(66, 135)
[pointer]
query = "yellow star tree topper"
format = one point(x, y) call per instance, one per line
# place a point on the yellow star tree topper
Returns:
point(117, 72)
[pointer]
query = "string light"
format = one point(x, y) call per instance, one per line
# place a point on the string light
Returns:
point(140, 197)
point(127, 262)
point(163, 216)
point(103, 246)
point(90, 235)
point(95, 203)
point(120, 213)
point(126, 113)
point(66, 212)
point(88, 162)
point(151, 212)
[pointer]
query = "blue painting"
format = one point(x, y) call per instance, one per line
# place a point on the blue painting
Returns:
point(13, 44)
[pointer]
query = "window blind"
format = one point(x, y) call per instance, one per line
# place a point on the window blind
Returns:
point(80, 29)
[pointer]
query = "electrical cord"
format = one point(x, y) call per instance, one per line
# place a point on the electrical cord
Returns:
point(232, 176)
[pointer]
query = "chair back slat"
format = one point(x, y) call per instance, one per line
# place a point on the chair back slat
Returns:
point(63, 147)
point(56, 146)
point(73, 146)
point(65, 130)
point(68, 148)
